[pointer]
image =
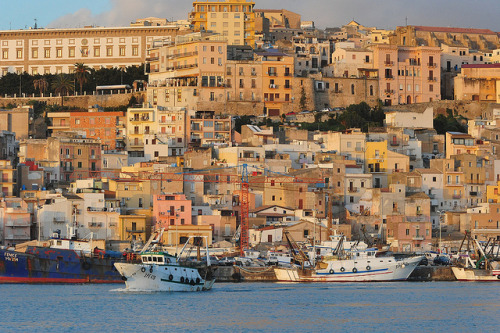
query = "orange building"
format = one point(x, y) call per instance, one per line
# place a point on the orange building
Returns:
point(106, 126)
point(277, 74)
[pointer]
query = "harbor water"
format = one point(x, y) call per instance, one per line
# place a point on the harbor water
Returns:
point(259, 307)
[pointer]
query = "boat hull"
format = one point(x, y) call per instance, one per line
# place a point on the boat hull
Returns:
point(352, 271)
point(146, 277)
point(48, 265)
point(472, 274)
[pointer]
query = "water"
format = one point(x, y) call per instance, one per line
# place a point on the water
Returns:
point(262, 307)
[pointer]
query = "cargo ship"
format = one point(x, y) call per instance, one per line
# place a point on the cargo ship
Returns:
point(61, 261)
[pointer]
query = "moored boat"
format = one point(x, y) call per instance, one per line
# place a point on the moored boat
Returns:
point(476, 262)
point(348, 266)
point(60, 261)
point(160, 271)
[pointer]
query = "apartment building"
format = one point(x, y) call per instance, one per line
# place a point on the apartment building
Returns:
point(170, 210)
point(6, 178)
point(140, 122)
point(277, 74)
point(15, 221)
point(188, 71)
point(54, 51)
point(18, 120)
point(208, 129)
point(232, 19)
point(408, 74)
point(105, 126)
point(478, 83)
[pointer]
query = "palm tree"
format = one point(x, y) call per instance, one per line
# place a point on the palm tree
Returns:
point(62, 85)
point(82, 72)
point(41, 84)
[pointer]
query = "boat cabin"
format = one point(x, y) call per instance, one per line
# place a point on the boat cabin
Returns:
point(158, 258)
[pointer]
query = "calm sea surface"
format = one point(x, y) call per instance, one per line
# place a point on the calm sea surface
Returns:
point(263, 307)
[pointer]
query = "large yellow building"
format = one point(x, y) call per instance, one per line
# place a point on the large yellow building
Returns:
point(233, 19)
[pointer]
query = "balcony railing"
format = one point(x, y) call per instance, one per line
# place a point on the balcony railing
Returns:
point(419, 238)
point(457, 196)
point(389, 91)
point(353, 190)
point(135, 231)
point(431, 79)
point(432, 64)
point(389, 63)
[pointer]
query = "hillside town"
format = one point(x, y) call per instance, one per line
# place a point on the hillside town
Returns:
point(243, 124)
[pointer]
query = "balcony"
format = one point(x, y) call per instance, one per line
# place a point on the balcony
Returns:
point(389, 91)
point(431, 79)
point(473, 194)
point(431, 64)
point(18, 224)
point(288, 86)
point(389, 77)
point(272, 74)
point(135, 231)
point(15, 210)
point(273, 86)
point(136, 144)
point(418, 218)
point(389, 63)
point(97, 209)
point(59, 220)
point(457, 196)
point(413, 157)
point(250, 159)
point(352, 190)
point(418, 238)
point(359, 149)
point(95, 224)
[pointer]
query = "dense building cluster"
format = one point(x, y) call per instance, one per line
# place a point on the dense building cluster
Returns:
point(232, 99)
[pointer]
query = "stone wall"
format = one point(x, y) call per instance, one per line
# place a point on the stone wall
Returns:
point(467, 109)
point(83, 102)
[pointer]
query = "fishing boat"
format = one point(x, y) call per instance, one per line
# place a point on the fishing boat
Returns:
point(477, 262)
point(60, 260)
point(161, 271)
point(346, 266)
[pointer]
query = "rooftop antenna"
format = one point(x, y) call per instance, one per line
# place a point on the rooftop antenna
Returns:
point(36, 26)
point(406, 20)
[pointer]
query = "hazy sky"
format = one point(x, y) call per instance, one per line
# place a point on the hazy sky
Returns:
point(326, 13)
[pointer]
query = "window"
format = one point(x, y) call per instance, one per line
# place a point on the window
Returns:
point(34, 53)
point(19, 53)
point(5, 54)
point(135, 50)
point(71, 52)
point(109, 51)
point(122, 51)
point(407, 232)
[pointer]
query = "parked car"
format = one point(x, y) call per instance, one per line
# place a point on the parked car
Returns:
point(424, 262)
point(442, 260)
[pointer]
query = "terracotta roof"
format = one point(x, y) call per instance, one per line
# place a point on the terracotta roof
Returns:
point(455, 30)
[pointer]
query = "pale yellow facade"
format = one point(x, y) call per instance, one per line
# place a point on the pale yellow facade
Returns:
point(232, 19)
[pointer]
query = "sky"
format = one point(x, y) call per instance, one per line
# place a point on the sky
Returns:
point(325, 13)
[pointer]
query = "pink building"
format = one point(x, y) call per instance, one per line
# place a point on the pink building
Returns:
point(171, 209)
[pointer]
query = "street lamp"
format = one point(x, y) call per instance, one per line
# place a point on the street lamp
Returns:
point(440, 212)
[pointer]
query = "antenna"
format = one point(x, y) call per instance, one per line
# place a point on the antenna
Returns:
point(406, 20)
point(36, 26)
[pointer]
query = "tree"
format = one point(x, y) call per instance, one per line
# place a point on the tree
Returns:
point(62, 85)
point(82, 72)
point(41, 84)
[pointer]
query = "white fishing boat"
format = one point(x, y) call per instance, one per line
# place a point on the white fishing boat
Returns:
point(160, 271)
point(477, 263)
point(348, 266)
